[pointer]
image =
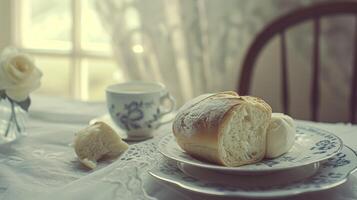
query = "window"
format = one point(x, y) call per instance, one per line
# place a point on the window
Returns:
point(69, 45)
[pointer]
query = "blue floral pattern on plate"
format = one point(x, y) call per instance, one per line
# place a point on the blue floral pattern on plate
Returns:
point(331, 173)
point(311, 145)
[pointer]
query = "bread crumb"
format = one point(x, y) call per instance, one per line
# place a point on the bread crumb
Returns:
point(96, 141)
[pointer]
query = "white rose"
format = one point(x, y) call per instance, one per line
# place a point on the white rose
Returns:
point(18, 75)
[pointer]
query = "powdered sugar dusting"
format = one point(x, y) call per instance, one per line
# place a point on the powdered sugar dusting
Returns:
point(204, 112)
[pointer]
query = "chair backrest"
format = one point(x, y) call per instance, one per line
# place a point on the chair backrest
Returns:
point(278, 27)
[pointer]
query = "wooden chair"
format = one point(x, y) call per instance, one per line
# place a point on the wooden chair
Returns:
point(278, 27)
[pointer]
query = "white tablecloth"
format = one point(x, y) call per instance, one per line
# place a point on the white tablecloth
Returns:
point(43, 165)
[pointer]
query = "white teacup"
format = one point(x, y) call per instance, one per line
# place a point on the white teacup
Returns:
point(137, 106)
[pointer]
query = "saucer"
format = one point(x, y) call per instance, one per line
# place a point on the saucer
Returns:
point(122, 133)
point(311, 145)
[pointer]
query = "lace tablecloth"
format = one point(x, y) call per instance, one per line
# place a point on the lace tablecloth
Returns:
point(43, 165)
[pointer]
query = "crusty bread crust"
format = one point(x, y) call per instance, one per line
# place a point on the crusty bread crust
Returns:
point(198, 124)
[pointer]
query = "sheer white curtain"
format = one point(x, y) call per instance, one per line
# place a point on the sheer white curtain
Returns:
point(192, 46)
point(196, 46)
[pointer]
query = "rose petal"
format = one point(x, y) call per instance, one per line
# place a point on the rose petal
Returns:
point(18, 67)
point(5, 82)
point(21, 91)
point(18, 75)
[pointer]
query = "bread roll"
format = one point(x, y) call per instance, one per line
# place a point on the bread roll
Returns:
point(223, 128)
point(280, 135)
point(96, 141)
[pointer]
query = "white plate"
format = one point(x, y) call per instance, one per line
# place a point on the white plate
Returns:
point(262, 180)
point(311, 145)
point(331, 173)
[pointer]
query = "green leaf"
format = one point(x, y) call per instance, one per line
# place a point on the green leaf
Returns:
point(2, 94)
point(25, 104)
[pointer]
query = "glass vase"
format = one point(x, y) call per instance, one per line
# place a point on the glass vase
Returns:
point(12, 121)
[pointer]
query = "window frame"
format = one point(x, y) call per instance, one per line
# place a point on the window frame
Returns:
point(79, 79)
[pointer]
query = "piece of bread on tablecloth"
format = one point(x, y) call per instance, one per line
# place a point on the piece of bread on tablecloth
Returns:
point(280, 135)
point(224, 128)
point(96, 141)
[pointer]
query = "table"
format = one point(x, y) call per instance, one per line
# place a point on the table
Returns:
point(43, 165)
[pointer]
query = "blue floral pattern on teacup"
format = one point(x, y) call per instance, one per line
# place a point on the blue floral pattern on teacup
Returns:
point(132, 115)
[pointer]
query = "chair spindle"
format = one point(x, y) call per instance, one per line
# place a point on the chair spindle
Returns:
point(315, 92)
point(353, 99)
point(284, 73)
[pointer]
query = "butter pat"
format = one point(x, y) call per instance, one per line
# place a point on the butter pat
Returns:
point(96, 141)
point(280, 135)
